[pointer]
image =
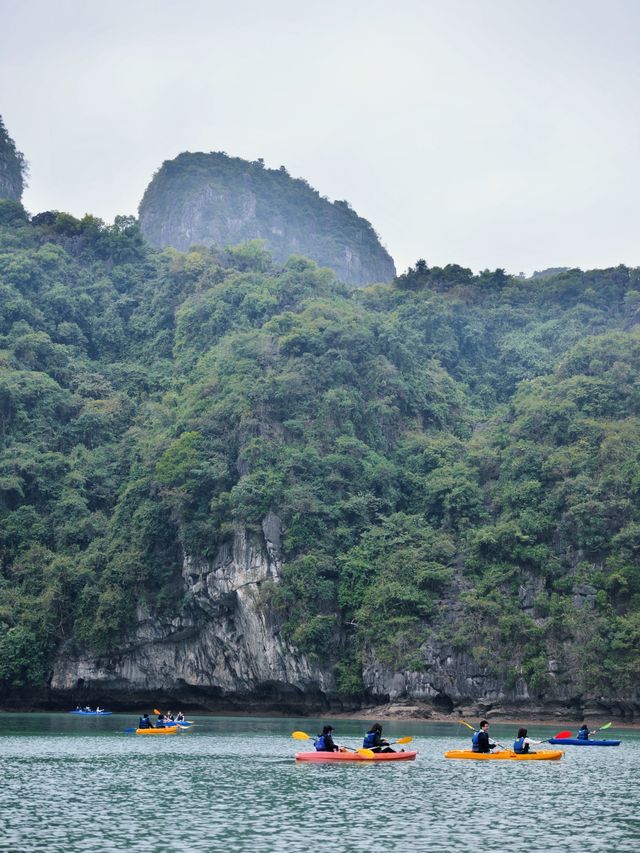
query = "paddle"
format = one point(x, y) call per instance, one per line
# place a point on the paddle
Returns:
point(367, 753)
point(469, 726)
point(602, 728)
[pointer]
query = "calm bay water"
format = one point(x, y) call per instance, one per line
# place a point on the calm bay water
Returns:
point(231, 784)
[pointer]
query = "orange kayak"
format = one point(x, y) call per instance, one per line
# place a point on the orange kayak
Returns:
point(354, 756)
point(506, 755)
point(168, 730)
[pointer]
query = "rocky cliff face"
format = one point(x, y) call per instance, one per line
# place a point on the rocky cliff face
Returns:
point(223, 651)
point(451, 682)
point(213, 199)
point(12, 167)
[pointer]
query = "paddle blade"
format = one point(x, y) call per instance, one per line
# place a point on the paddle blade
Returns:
point(156, 712)
point(563, 734)
point(128, 731)
point(606, 726)
point(367, 753)
point(301, 736)
point(404, 740)
point(468, 725)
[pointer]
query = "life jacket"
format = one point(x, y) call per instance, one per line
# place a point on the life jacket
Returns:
point(583, 734)
point(369, 741)
point(144, 723)
point(519, 746)
point(475, 745)
point(321, 746)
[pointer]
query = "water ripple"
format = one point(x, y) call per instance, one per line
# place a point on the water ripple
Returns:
point(231, 785)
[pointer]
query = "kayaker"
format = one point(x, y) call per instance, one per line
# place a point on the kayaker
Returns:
point(145, 722)
point(179, 717)
point(324, 742)
point(480, 741)
point(583, 733)
point(522, 743)
point(160, 723)
point(374, 741)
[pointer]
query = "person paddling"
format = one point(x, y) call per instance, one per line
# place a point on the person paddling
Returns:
point(324, 742)
point(145, 722)
point(480, 741)
point(374, 741)
point(583, 732)
point(160, 722)
point(179, 717)
point(522, 743)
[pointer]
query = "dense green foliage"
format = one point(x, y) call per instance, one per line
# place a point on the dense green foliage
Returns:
point(455, 459)
point(13, 167)
point(214, 199)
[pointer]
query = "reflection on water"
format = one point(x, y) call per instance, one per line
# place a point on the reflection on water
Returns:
point(75, 784)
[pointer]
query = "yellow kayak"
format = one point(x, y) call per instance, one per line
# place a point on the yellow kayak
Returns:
point(506, 755)
point(168, 730)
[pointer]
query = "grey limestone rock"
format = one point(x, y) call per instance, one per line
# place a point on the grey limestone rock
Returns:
point(216, 200)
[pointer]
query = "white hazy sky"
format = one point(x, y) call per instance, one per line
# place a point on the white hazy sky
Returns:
point(487, 133)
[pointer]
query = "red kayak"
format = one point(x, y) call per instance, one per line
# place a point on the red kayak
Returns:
point(354, 756)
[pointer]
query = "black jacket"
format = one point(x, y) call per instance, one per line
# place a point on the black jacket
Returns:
point(484, 744)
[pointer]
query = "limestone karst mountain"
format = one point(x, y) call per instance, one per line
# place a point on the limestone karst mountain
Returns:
point(12, 167)
point(214, 199)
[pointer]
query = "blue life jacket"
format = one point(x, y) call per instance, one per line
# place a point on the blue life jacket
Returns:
point(320, 744)
point(583, 734)
point(144, 723)
point(475, 746)
point(369, 741)
point(519, 745)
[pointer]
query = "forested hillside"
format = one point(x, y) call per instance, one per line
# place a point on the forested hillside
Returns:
point(452, 460)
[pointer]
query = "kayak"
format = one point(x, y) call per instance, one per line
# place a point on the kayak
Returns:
point(575, 741)
point(506, 755)
point(169, 730)
point(92, 713)
point(354, 756)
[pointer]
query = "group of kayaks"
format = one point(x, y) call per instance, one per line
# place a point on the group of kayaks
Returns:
point(347, 754)
point(160, 728)
point(502, 755)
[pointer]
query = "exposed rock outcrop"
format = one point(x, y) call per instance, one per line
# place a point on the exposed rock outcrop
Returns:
point(213, 199)
point(223, 651)
point(12, 167)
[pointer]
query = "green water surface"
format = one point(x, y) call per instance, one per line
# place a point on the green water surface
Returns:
point(231, 784)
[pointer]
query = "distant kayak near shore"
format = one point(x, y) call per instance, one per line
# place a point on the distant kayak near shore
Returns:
point(92, 713)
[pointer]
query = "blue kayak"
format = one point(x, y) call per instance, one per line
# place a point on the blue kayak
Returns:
point(92, 713)
point(575, 741)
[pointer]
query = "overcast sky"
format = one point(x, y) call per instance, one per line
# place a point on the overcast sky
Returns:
point(488, 133)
